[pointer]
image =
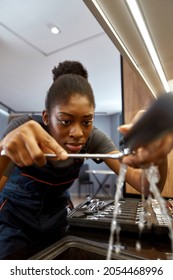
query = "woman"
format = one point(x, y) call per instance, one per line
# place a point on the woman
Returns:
point(33, 201)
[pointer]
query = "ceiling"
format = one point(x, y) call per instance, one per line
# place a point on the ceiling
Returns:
point(28, 52)
point(122, 30)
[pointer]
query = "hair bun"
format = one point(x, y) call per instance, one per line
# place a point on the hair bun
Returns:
point(69, 67)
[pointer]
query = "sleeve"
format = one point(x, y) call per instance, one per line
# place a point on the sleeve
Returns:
point(16, 122)
point(99, 142)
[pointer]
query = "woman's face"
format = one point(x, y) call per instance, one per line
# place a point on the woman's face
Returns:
point(71, 124)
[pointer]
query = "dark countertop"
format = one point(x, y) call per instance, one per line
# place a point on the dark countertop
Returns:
point(154, 239)
point(88, 234)
point(92, 244)
point(152, 246)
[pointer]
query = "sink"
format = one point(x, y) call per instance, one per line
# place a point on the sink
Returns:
point(76, 248)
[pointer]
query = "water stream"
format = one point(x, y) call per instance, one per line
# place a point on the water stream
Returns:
point(114, 226)
point(153, 176)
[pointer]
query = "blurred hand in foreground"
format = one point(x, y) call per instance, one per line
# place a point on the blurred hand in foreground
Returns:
point(155, 152)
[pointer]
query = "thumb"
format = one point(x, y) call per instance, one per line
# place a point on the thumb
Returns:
point(125, 128)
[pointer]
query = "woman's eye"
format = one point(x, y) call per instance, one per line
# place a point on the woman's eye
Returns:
point(87, 123)
point(64, 122)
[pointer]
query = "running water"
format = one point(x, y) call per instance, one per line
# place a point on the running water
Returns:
point(114, 226)
point(141, 213)
point(152, 175)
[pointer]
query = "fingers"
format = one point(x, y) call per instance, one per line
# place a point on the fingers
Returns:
point(138, 115)
point(124, 129)
point(135, 161)
point(152, 153)
point(27, 145)
point(44, 144)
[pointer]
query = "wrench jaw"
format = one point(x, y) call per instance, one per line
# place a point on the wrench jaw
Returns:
point(126, 152)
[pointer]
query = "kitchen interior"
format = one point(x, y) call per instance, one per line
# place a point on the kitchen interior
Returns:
point(125, 80)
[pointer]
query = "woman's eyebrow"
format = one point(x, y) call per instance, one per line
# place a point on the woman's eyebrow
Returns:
point(71, 115)
point(63, 113)
point(89, 116)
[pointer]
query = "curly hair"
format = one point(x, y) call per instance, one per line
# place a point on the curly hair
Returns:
point(68, 67)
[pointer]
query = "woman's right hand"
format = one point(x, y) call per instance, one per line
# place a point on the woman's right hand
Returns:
point(155, 152)
point(27, 144)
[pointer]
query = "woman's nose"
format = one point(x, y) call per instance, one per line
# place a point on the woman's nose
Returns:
point(76, 131)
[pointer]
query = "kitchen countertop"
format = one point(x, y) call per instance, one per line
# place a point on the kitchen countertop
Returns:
point(152, 246)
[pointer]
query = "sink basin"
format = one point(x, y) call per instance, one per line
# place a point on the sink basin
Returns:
point(76, 248)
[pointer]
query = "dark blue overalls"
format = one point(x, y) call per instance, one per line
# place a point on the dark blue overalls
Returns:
point(33, 209)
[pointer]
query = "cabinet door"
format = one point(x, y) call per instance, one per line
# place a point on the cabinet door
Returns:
point(137, 96)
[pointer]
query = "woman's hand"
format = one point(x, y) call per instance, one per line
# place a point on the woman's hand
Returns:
point(27, 144)
point(155, 152)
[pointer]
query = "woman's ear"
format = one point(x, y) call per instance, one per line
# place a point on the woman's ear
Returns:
point(45, 117)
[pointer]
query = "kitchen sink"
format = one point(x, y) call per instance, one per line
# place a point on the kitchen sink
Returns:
point(76, 248)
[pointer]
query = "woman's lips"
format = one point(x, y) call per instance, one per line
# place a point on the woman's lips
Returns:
point(74, 148)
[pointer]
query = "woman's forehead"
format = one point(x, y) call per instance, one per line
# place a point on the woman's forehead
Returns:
point(76, 99)
point(75, 105)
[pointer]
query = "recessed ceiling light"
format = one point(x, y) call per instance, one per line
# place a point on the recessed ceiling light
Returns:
point(55, 30)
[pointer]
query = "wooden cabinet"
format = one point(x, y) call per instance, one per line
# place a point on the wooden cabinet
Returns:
point(137, 96)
